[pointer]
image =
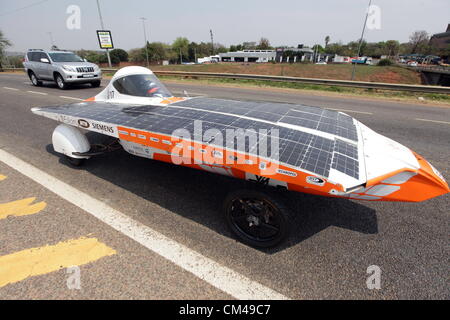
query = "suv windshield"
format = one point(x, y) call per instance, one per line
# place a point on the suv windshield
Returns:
point(142, 85)
point(65, 57)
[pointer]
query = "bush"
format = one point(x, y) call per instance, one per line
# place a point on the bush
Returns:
point(385, 62)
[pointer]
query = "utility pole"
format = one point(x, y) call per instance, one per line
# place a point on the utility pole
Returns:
point(145, 38)
point(361, 40)
point(212, 41)
point(103, 28)
point(181, 57)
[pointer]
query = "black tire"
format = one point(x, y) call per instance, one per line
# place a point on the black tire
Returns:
point(75, 162)
point(257, 218)
point(96, 84)
point(34, 79)
point(60, 82)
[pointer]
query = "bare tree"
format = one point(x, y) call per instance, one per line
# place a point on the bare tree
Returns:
point(264, 44)
point(417, 39)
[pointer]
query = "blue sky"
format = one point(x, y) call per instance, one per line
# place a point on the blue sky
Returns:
point(285, 22)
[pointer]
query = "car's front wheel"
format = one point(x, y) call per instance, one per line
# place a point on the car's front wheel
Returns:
point(60, 82)
point(258, 218)
point(34, 80)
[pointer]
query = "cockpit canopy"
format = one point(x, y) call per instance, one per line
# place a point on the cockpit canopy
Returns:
point(141, 85)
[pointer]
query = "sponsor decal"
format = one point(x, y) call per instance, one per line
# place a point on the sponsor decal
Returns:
point(316, 181)
point(83, 123)
point(287, 173)
point(102, 127)
point(217, 154)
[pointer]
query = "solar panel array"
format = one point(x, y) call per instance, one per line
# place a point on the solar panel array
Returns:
point(305, 116)
point(296, 148)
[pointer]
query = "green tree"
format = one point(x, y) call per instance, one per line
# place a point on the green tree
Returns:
point(136, 55)
point(392, 47)
point(327, 41)
point(119, 54)
point(181, 46)
point(4, 43)
point(157, 51)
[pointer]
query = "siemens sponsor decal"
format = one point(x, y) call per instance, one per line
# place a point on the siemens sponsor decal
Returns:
point(102, 127)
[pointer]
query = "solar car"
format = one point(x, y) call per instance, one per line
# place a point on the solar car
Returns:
point(279, 147)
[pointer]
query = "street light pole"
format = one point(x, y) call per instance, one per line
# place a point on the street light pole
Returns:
point(361, 40)
point(145, 38)
point(103, 28)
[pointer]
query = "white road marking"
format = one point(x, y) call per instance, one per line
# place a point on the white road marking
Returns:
point(72, 98)
point(351, 111)
point(435, 121)
point(42, 93)
point(11, 88)
point(221, 277)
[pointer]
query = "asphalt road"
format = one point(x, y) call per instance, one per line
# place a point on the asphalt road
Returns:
point(333, 241)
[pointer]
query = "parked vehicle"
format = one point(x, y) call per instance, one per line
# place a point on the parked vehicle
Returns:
point(62, 67)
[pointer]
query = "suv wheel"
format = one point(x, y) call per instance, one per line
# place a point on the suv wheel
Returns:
point(34, 80)
point(95, 84)
point(60, 82)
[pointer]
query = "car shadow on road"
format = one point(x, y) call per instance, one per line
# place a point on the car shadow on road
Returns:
point(49, 84)
point(198, 195)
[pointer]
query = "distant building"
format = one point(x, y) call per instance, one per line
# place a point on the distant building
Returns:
point(441, 40)
point(248, 56)
point(302, 53)
point(210, 59)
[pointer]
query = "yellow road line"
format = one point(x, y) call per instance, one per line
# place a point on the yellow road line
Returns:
point(20, 208)
point(21, 265)
point(2, 177)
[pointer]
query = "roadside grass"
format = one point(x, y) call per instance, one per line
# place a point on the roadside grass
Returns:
point(389, 74)
point(374, 93)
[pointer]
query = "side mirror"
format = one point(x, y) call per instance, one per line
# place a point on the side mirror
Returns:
point(85, 60)
point(45, 60)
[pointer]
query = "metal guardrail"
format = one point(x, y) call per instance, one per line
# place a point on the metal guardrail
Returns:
point(328, 82)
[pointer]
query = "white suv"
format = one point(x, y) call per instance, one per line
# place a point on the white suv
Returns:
point(62, 67)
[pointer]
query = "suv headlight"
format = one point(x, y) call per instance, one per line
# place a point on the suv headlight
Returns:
point(69, 68)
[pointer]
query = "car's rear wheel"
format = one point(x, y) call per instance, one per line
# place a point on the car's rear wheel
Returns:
point(60, 82)
point(34, 80)
point(95, 84)
point(259, 219)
